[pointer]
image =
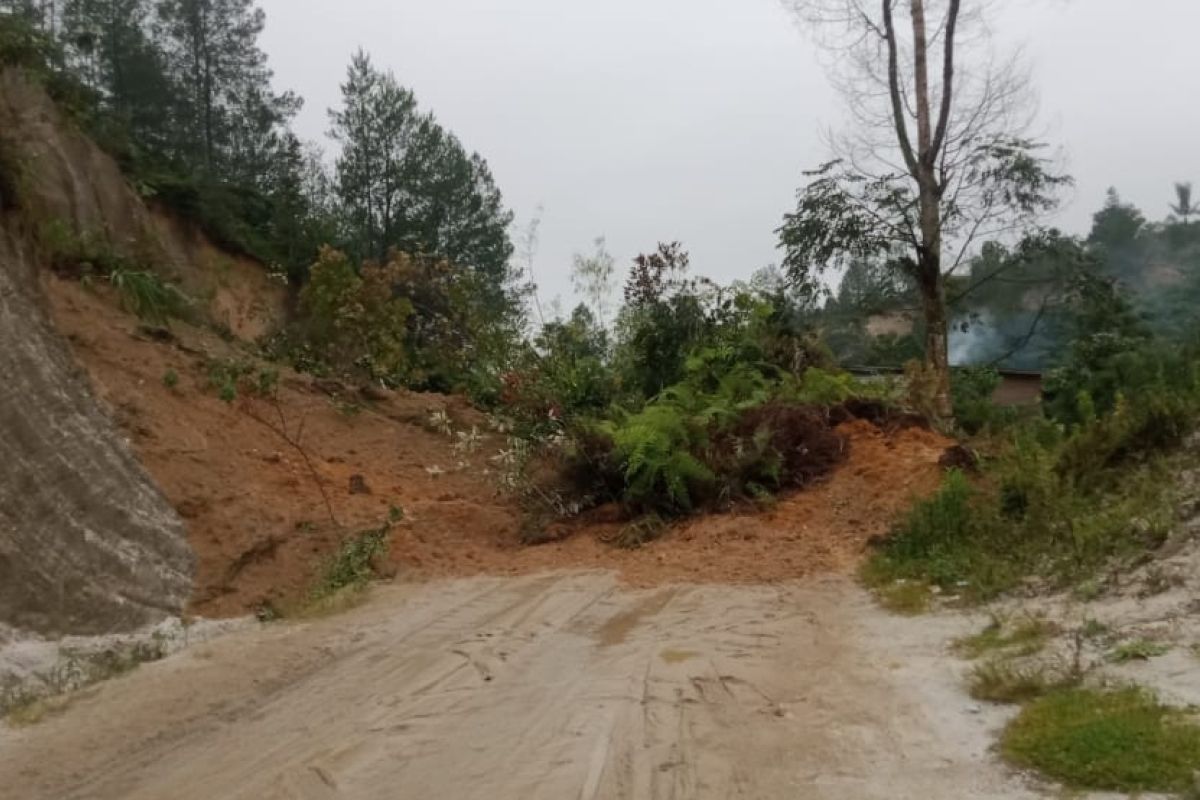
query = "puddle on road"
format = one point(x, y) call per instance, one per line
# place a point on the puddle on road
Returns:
point(678, 656)
point(617, 629)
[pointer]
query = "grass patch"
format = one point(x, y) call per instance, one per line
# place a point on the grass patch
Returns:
point(1002, 681)
point(148, 296)
point(1138, 650)
point(981, 539)
point(909, 598)
point(1024, 638)
point(1122, 740)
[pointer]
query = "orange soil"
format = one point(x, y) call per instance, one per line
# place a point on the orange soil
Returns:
point(261, 531)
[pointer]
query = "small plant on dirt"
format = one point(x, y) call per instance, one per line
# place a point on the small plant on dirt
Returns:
point(1093, 629)
point(905, 597)
point(1138, 650)
point(640, 532)
point(440, 422)
point(1001, 680)
point(148, 296)
point(224, 377)
point(1121, 740)
point(468, 442)
point(354, 565)
point(1022, 638)
point(170, 379)
point(346, 408)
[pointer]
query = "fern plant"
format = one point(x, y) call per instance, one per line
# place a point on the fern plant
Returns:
point(656, 445)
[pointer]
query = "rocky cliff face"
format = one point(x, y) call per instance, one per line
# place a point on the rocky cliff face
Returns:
point(88, 544)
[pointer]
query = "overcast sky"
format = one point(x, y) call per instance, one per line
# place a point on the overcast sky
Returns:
point(648, 120)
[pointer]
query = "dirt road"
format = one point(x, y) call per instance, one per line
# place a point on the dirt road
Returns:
point(558, 686)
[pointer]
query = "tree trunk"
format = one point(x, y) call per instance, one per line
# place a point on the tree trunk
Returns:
point(937, 345)
point(929, 261)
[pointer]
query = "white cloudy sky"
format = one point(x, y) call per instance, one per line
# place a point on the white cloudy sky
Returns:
point(648, 120)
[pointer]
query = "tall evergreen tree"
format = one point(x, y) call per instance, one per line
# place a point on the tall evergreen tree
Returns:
point(227, 106)
point(112, 41)
point(406, 183)
point(375, 127)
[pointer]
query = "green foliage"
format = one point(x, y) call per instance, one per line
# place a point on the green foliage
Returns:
point(149, 296)
point(1122, 740)
point(1138, 650)
point(170, 379)
point(1003, 681)
point(356, 321)
point(408, 184)
point(971, 389)
point(229, 378)
point(1053, 504)
point(354, 565)
point(655, 447)
point(729, 431)
point(1025, 637)
point(84, 254)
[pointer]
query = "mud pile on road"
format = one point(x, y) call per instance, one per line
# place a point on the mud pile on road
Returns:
point(259, 526)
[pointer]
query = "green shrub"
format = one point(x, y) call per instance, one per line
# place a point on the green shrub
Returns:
point(724, 434)
point(1051, 503)
point(1122, 740)
point(354, 565)
point(148, 296)
point(971, 390)
point(655, 446)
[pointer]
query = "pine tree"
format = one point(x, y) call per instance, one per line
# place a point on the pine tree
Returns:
point(407, 183)
point(120, 60)
point(227, 107)
point(375, 127)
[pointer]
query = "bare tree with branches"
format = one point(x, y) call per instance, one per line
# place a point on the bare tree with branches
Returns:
point(937, 156)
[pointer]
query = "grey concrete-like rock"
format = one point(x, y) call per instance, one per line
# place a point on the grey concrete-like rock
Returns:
point(88, 544)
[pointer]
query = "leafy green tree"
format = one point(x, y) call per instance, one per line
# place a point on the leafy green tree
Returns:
point(665, 317)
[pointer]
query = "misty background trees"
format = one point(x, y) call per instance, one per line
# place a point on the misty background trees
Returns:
point(923, 239)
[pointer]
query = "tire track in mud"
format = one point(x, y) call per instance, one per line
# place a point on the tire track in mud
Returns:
point(544, 687)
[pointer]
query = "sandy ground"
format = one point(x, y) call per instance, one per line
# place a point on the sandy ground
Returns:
point(563, 685)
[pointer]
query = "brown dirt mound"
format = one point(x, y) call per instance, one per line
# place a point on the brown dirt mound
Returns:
point(826, 527)
point(261, 532)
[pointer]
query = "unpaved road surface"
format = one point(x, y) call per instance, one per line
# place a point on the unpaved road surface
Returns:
point(559, 686)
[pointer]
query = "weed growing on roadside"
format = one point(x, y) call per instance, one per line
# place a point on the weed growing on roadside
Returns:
point(1024, 638)
point(1002, 681)
point(354, 565)
point(1138, 650)
point(909, 598)
point(1119, 740)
